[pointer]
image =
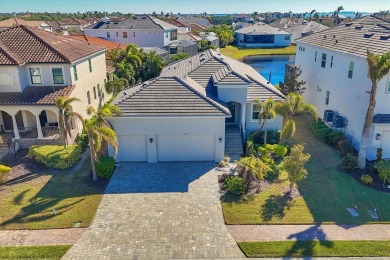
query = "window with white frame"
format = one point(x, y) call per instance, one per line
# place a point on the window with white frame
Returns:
point(323, 61)
point(287, 37)
point(350, 71)
point(58, 76)
point(75, 76)
point(35, 75)
point(255, 111)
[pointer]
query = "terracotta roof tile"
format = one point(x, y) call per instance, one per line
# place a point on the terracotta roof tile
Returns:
point(30, 45)
point(32, 95)
point(110, 45)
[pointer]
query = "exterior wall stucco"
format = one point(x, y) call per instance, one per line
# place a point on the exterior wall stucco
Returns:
point(230, 93)
point(152, 127)
point(253, 125)
point(348, 96)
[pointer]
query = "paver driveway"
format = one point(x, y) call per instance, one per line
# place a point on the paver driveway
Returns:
point(159, 211)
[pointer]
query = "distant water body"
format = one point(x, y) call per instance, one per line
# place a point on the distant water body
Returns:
point(264, 64)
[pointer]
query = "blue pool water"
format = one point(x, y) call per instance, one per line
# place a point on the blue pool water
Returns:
point(274, 63)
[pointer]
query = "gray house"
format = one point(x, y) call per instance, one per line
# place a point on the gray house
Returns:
point(262, 35)
point(177, 47)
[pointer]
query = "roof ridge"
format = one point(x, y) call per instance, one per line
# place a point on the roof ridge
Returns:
point(207, 99)
point(28, 30)
point(270, 89)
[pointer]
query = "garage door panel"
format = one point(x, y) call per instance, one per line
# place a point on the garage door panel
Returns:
point(186, 148)
point(132, 148)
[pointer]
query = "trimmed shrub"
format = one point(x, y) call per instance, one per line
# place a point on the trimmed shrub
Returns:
point(379, 154)
point(345, 146)
point(366, 179)
point(82, 141)
point(349, 162)
point(235, 184)
point(3, 171)
point(280, 150)
point(55, 156)
point(105, 167)
point(335, 137)
point(222, 164)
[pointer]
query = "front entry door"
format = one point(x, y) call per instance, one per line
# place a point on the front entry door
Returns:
point(232, 109)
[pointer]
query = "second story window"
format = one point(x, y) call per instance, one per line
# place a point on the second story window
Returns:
point(315, 57)
point(108, 35)
point(331, 61)
point(58, 76)
point(255, 111)
point(323, 61)
point(287, 37)
point(388, 87)
point(88, 98)
point(35, 75)
point(350, 71)
point(117, 34)
point(133, 34)
point(90, 65)
point(124, 34)
point(75, 73)
point(173, 35)
point(94, 92)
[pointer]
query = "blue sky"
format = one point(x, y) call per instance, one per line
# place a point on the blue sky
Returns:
point(191, 6)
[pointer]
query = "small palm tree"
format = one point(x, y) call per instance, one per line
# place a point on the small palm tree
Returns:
point(292, 105)
point(116, 85)
point(267, 112)
point(99, 131)
point(64, 105)
point(378, 67)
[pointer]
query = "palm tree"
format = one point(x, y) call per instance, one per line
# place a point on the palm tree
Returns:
point(99, 131)
point(267, 112)
point(64, 106)
point(116, 85)
point(378, 67)
point(132, 55)
point(311, 13)
point(340, 8)
point(151, 66)
point(126, 71)
point(292, 105)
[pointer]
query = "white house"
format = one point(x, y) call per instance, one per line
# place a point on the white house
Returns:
point(262, 35)
point(333, 63)
point(182, 115)
point(141, 30)
point(36, 67)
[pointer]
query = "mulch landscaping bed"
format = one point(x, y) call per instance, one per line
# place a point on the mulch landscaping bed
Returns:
point(377, 184)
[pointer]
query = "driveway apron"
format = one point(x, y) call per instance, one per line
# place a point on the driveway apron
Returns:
point(159, 211)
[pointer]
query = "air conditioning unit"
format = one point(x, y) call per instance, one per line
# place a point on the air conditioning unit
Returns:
point(338, 122)
point(328, 115)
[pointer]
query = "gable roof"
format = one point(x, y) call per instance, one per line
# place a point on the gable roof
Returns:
point(189, 36)
point(24, 44)
point(354, 37)
point(136, 22)
point(168, 96)
point(32, 95)
point(175, 22)
point(183, 43)
point(110, 45)
point(188, 20)
point(260, 28)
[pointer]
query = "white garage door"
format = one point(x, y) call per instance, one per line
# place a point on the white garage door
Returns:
point(132, 148)
point(185, 148)
point(386, 144)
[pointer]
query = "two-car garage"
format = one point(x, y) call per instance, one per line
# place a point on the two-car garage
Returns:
point(168, 147)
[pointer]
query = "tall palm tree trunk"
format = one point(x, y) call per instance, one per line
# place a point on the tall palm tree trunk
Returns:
point(265, 131)
point(367, 128)
point(62, 129)
point(92, 154)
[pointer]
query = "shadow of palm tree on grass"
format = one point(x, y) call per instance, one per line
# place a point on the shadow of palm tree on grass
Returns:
point(275, 206)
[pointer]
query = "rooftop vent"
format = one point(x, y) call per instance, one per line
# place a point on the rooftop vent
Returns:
point(384, 37)
point(348, 24)
point(358, 27)
point(143, 18)
point(324, 36)
point(368, 35)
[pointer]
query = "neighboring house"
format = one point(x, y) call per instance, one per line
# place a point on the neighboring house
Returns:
point(189, 20)
point(211, 38)
point(182, 114)
point(109, 45)
point(241, 25)
point(197, 27)
point(69, 25)
point(181, 28)
point(12, 22)
point(36, 67)
point(262, 35)
point(142, 30)
point(333, 63)
point(243, 18)
point(164, 54)
point(189, 37)
point(177, 47)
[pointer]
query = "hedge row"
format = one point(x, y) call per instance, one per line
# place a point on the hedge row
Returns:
point(56, 156)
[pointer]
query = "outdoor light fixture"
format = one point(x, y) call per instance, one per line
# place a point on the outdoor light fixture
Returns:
point(378, 136)
point(220, 139)
point(151, 140)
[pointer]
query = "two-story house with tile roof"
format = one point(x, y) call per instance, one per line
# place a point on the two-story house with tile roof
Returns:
point(141, 30)
point(333, 63)
point(36, 67)
point(198, 109)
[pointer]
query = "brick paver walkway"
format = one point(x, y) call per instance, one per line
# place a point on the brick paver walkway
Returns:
point(249, 233)
point(159, 211)
point(40, 237)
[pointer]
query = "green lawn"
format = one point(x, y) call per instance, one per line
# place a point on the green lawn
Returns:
point(326, 193)
point(33, 252)
point(29, 202)
point(239, 53)
point(316, 248)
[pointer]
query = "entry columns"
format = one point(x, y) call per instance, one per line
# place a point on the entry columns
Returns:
point(243, 113)
point(16, 130)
